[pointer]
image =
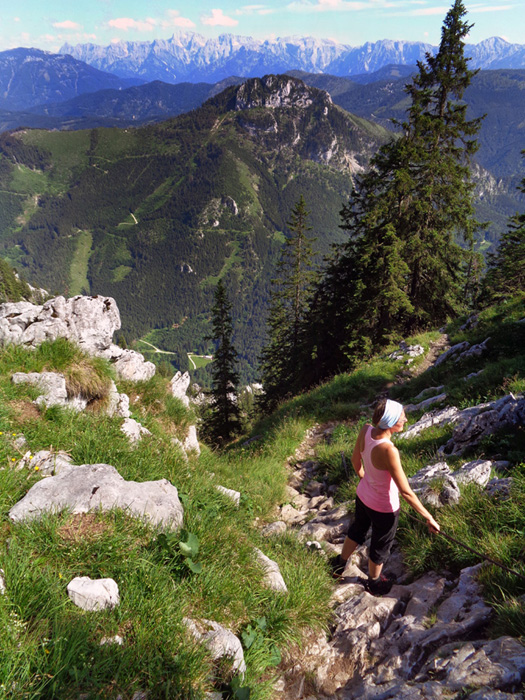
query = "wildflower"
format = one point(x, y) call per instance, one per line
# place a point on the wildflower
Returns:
point(13, 459)
point(37, 468)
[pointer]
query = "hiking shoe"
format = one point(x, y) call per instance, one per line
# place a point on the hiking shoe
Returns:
point(338, 566)
point(379, 586)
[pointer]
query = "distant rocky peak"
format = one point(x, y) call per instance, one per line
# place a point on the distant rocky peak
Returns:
point(276, 91)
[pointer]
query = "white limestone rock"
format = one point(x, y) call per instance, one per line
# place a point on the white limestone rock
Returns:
point(474, 423)
point(454, 350)
point(191, 443)
point(272, 574)
point(426, 403)
point(277, 528)
point(118, 404)
point(131, 365)
point(429, 391)
point(425, 476)
point(233, 495)
point(46, 462)
point(53, 388)
point(91, 487)
point(499, 488)
point(474, 351)
point(220, 642)
point(477, 472)
point(405, 349)
point(499, 663)
point(88, 321)
point(291, 516)
point(133, 430)
point(437, 417)
point(93, 595)
point(179, 386)
point(117, 639)
point(2, 582)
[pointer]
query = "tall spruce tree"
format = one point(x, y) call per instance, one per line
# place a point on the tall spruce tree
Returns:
point(288, 306)
point(402, 267)
point(506, 273)
point(223, 421)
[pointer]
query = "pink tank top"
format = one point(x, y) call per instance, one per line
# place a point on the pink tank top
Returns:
point(377, 489)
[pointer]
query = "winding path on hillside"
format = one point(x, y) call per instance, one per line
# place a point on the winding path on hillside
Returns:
point(162, 352)
point(417, 642)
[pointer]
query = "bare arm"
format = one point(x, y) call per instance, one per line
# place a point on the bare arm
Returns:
point(393, 464)
point(356, 454)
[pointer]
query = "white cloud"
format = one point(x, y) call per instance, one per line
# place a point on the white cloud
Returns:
point(127, 23)
point(67, 24)
point(16, 19)
point(219, 19)
point(475, 9)
point(175, 20)
point(427, 11)
point(255, 10)
point(339, 5)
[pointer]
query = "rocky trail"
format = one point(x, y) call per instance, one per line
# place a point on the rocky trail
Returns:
point(427, 638)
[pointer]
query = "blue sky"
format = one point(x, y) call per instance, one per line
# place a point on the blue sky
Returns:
point(47, 24)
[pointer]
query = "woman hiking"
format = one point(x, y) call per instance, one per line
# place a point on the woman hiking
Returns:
point(377, 463)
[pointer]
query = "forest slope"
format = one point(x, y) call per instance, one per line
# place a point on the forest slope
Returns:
point(153, 216)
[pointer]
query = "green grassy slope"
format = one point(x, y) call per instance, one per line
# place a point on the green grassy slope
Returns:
point(49, 648)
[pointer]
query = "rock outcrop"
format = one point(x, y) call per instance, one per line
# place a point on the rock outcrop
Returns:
point(179, 386)
point(88, 321)
point(53, 388)
point(474, 423)
point(91, 487)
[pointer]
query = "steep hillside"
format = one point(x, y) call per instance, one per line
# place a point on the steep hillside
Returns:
point(498, 94)
point(193, 607)
point(154, 216)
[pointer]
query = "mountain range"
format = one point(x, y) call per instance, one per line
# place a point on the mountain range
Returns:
point(28, 75)
point(190, 57)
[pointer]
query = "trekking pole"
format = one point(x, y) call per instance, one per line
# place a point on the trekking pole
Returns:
point(465, 546)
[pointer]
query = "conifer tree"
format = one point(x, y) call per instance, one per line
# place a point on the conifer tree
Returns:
point(224, 417)
point(288, 306)
point(506, 274)
point(402, 267)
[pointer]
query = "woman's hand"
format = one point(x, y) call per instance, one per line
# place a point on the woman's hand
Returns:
point(432, 525)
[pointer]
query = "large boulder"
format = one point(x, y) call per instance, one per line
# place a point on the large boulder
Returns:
point(89, 487)
point(53, 388)
point(474, 423)
point(88, 321)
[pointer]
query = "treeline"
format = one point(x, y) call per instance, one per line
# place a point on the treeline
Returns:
point(12, 288)
point(408, 262)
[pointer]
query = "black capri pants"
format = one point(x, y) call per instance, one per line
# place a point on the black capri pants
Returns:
point(384, 526)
